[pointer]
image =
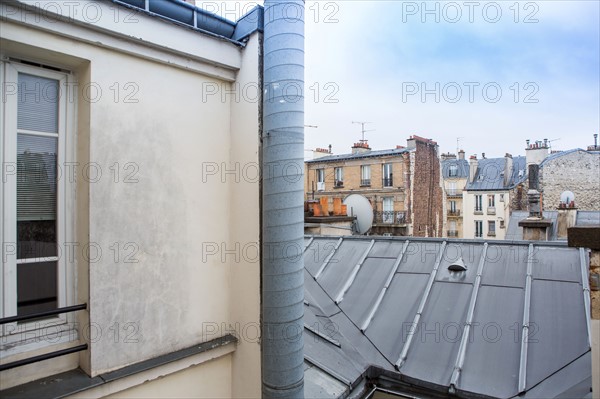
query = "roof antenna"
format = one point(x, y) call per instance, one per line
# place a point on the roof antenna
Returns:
point(363, 130)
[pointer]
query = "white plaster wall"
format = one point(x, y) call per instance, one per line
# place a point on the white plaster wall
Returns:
point(169, 294)
point(578, 172)
point(502, 211)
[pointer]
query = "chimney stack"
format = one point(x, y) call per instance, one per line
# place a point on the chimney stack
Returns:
point(461, 154)
point(473, 164)
point(360, 147)
point(535, 153)
point(535, 227)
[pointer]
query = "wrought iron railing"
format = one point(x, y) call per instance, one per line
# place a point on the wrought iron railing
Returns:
point(452, 233)
point(389, 217)
point(388, 182)
point(365, 182)
point(455, 212)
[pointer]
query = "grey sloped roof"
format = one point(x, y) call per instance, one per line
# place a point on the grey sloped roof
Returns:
point(588, 218)
point(489, 174)
point(359, 155)
point(515, 232)
point(462, 168)
point(393, 305)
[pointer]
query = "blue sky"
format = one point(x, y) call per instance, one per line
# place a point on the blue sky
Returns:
point(363, 58)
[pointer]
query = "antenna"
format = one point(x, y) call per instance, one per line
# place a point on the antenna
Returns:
point(550, 143)
point(363, 130)
point(457, 144)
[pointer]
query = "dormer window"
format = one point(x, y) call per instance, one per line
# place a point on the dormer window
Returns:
point(453, 171)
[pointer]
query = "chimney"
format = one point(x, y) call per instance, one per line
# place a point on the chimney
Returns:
point(360, 147)
point(461, 154)
point(483, 155)
point(473, 164)
point(535, 227)
point(447, 156)
point(508, 168)
point(536, 152)
point(594, 147)
point(320, 152)
point(330, 149)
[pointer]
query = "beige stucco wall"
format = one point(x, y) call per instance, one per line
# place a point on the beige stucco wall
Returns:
point(158, 215)
point(469, 217)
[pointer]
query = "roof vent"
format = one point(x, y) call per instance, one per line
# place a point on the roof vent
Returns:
point(458, 265)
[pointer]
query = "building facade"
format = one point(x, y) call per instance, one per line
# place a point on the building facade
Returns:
point(118, 200)
point(455, 173)
point(402, 184)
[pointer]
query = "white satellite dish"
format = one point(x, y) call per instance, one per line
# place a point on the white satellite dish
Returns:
point(359, 206)
point(566, 197)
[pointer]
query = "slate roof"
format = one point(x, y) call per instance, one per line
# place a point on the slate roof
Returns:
point(391, 304)
point(489, 175)
point(462, 168)
point(359, 155)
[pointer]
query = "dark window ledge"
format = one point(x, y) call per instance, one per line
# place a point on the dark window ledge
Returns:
point(75, 381)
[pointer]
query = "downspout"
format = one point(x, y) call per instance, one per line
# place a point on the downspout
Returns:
point(282, 304)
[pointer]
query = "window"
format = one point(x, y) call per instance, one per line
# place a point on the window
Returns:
point(320, 179)
point(452, 188)
point(35, 196)
point(491, 201)
point(491, 228)
point(478, 228)
point(388, 210)
point(453, 207)
point(387, 175)
point(339, 177)
point(365, 175)
point(478, 203)
point(453, 171)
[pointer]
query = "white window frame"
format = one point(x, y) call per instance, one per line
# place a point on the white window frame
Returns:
point(478, 203)
point(453, 170)
point(491, 200)
point(365, 173)
point(13, 333)
point(478, 231)
point(339, 176)
point(491, 232)
point(320, 175)
point(387, 172)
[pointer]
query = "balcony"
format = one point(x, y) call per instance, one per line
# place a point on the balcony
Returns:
point(491, 234)
point(389, 217)
point(455, 213)
point(453, 193)
point(339, 184)
point(452, 233)
point(388, 182)
point(491, 210)
point(365, 183)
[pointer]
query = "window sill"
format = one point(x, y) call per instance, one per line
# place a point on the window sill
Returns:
point(76, 381)
point(478, 213)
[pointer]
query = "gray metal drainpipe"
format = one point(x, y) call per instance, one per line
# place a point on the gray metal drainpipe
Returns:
point(282, 305)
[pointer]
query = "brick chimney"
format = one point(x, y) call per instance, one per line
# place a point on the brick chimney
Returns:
point(321, 152)
point(473, 164)
point(361, 147)
point(508, 168)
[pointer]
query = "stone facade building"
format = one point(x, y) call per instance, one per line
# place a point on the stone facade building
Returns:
point(402, 184)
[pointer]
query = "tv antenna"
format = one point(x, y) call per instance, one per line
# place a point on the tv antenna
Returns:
point(550, 143)
point(457, 144)
point(363, 131)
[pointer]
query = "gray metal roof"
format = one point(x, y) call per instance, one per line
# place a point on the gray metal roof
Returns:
point(392, 304)
point(359, 155)
point(583, 218)
point(462, 168)
point(588, 218)
point(489, 175)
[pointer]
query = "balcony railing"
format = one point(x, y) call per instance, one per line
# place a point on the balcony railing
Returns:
point(339, 183)
point(365, 182)
point(491, 210)
point(453, 193)
point(45, 356)
point(388, 182)
point(389, 217)
point(452, 233)
point(454, 213)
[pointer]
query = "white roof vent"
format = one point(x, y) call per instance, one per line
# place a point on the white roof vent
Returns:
point(458, 265)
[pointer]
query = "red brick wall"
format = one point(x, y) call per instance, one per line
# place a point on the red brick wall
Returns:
point(427, 193)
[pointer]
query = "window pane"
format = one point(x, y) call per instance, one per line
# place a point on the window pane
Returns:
point(36, 196)
point(36, 287)
point(37, 104)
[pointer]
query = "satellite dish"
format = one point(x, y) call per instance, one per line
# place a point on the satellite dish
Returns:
point(566, 197)
point(359, 206)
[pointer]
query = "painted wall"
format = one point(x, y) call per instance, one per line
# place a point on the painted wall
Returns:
point(170, 205)
point(502, 212)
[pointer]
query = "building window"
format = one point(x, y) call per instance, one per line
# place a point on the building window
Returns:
point(453, 171)
point(501, 197)
point(452, 188)
point(365, 175)
point(478, 228)
point(453, 207)
point(452, 231)
point(320, 179)
point(491, 201)
point(388, 210)
point(478, 203)
point(387, 175)
point(491, 228)
point(35, 226)
point(339, 177)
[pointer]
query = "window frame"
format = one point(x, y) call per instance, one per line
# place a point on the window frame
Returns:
point(338, 175)
point(478, 203)
point(12, 333)
point(453, 170)
point(491, 200)
point(387, 174)
point(365, 175)
point(491, 231)
point(478, 228)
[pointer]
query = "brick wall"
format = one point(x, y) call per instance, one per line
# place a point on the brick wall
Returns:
point(427, 196)
point(577, 172)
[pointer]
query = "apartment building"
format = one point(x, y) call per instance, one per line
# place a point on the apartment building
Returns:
point(455, 173)
point(402, 184)
point(494, 187)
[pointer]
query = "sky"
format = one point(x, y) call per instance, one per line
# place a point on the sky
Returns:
point(488, 74)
